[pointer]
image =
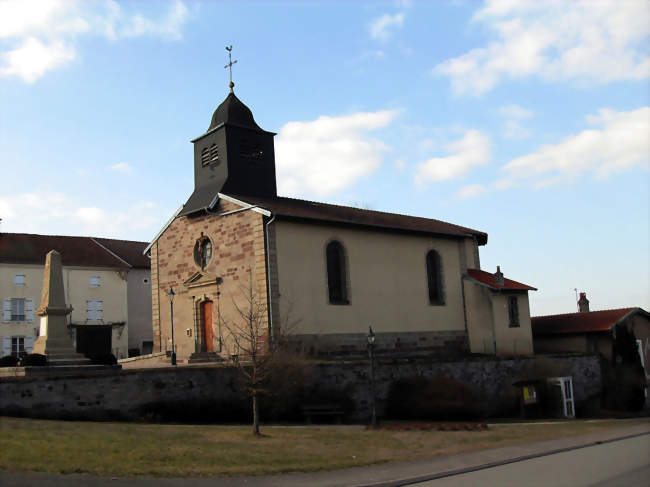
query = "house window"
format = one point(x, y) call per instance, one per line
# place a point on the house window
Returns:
point(434, 278)
point(17, 309)
point(94, 309)
point(336, 273)
point(513, 311)
point(94, 281)
point(19, 280)
point(17, 346)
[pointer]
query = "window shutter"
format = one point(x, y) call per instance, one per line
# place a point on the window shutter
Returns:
point(6, 346)
point(29, 310)
point(29, 344)
point(6, 311)
point(98, 310)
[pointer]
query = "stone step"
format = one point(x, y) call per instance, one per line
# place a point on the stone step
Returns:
point(204, 357)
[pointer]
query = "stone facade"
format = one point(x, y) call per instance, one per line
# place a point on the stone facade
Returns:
point(238, 259)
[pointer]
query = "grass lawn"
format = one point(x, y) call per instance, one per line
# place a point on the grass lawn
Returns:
point(126, 449)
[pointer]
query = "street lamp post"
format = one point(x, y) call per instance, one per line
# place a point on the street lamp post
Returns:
point(171, 295)
point(371, 352)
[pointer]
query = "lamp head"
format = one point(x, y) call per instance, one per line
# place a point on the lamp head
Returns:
point(371, 335)
point(171, 294)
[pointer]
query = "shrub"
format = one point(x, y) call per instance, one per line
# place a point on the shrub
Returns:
point(33, 360)
point(9, 361)
point(431, 398)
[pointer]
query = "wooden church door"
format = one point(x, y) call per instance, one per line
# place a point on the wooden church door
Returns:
point(206, 327)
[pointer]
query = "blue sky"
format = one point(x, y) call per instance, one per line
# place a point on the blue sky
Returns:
point(527, 120)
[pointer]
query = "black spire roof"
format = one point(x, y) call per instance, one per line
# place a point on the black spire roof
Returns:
point(233, 111)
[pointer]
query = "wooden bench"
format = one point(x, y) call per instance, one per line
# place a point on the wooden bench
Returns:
point(325, 409)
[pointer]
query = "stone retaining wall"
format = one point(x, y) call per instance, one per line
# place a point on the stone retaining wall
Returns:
point(128, 394)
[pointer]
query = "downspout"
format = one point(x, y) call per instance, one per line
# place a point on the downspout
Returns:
point(158, 293)
point(269, 299)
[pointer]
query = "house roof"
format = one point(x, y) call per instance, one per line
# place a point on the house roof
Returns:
point(128, 250)
point(487, 279)
point(26, 248)
point(586, 322)
point(324, 212)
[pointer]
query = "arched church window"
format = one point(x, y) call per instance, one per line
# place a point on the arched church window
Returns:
point(336, 273)
point(203, 252)
point(434, 278)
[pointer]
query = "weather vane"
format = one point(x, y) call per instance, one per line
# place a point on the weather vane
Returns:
point(229, 66)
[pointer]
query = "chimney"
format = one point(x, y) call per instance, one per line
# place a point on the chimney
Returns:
point(583, 303)
point(498, 276)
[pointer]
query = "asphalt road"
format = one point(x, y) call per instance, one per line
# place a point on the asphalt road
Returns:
point(617, 464)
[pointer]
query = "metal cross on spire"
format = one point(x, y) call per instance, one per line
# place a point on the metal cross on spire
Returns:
point(229, 66)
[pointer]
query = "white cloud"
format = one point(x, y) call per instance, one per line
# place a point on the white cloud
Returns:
point(329, 154)
point(601, 41)
point(41, 35)
point(516, 112)
point(118, 26)
point(381, 28)
point(621, 142)
point(464, 154)
point(513, 127)
point(123, 167)
point(471, 191)
point(50, 212)
point(33, 58)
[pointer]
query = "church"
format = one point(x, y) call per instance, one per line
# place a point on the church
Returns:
point(331, 271)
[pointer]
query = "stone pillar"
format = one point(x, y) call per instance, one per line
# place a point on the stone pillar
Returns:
point(54, 340)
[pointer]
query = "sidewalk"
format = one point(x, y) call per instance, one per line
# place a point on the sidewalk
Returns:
point(385, 475)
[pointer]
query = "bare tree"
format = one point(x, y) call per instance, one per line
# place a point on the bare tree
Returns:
point(258, 358)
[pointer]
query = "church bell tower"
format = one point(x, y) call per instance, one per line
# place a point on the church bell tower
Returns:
point(235, 156)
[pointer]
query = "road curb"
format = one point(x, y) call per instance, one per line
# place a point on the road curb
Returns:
point(483, 466)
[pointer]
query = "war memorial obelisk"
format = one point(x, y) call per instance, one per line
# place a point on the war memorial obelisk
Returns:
point(53, 340)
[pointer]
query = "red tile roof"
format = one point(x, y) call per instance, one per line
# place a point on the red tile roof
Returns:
point(128, 250)
point(311, 210)
point(488, 279)
point(590, 321)
point(25, 248)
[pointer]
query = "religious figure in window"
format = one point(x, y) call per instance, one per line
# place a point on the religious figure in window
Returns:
point(203, 252)
point(336, 273)
point(434, 278)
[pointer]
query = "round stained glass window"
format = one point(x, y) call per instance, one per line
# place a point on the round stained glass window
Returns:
point(203, 252)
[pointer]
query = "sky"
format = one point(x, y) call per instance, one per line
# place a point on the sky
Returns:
point(528, 120)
